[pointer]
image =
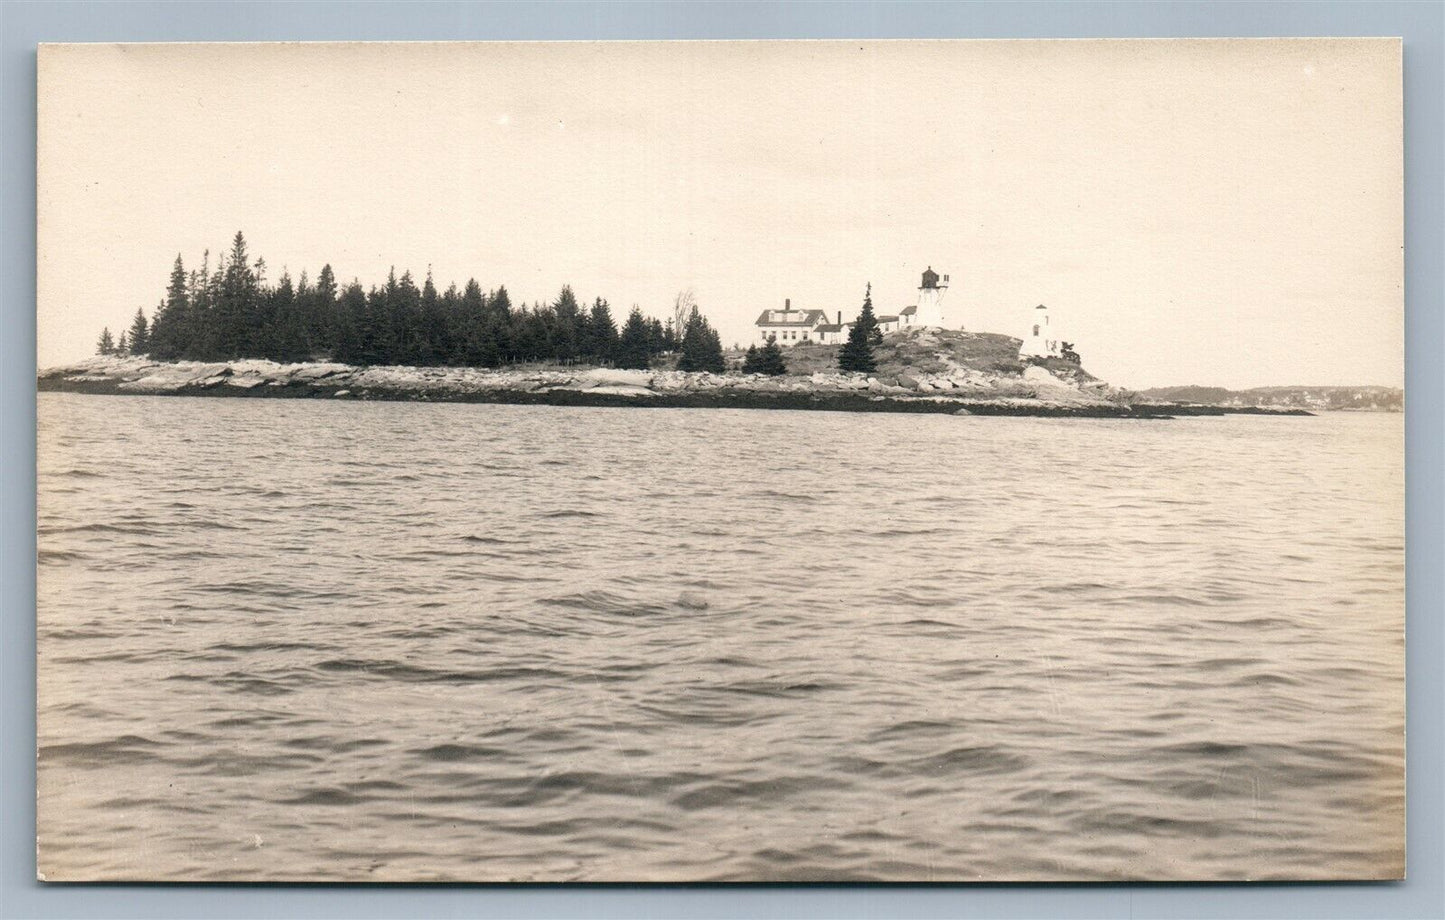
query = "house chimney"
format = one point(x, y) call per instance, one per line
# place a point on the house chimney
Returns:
point(787, 304)
point(840, 317)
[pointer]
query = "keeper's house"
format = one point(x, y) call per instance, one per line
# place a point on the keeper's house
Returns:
point(791, 326)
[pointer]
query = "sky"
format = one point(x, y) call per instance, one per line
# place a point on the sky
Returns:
point(1213, 212)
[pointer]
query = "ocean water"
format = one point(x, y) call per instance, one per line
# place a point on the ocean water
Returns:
point(304, 640)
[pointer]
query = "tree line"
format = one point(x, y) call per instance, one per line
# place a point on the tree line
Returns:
point(231, 311)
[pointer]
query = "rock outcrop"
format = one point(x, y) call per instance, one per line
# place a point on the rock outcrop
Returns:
point(933, 371)
point(950, 390)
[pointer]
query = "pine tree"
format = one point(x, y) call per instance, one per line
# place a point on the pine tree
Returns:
point(635, 347)
point(475, 342)
point(288, 338)
point(326, 283)
point(122, 347)
point(404, 300)
point(139, 334)
point(657, 338)
point(499, 325)
point(856, 355)
point(106, 345)
point(169, 335)
point(565, 335)
point(232, 310)
point(350, 311)
point(750, 361)
point(235, 305)
point(765, 360)
point(432, 334)
point(701, 347)
point(601, 332)
point(319, 302)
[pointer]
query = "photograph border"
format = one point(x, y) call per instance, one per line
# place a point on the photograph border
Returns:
point(1420, 24)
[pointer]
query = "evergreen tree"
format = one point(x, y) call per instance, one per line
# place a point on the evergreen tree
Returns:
point(701, 346)
point(404, 302)
point(451, 307)
point(476, 347)
point(750, 361)
point(122, 347)
point(106, 345)
point(139, 334)
point(350, 313)
point(656, 337)
point(326, 283)
point(170, 330)
point(289, 337)
point(765, 360)
point(431, 345)
point(321, 308)
point(235, 305)
point(634, 349)
point(232, 310)
point(375, 326)
point(499, 325)
point(856, 355)
point(601, 332)
point(565, 322)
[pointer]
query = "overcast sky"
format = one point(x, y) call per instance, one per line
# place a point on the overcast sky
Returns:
point(1225, 212)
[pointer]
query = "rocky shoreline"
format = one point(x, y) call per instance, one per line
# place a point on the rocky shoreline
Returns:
point(1038, 393)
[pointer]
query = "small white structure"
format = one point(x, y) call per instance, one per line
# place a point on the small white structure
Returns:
point(929, 309)
point(1041, 340)
point(833, 333)
point(788, 326)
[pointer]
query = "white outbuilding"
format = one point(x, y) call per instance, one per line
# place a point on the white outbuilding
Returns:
point(1040, 341)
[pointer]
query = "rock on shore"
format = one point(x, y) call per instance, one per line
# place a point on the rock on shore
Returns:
point(142, 375)
point(1035, 391)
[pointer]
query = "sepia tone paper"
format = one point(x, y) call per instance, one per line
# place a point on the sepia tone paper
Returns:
point(1093, 570)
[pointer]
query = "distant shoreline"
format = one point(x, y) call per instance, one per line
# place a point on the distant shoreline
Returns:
point(583, 387)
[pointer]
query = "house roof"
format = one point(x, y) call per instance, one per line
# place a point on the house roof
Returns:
point(908, 311)
point(831, 327)
point(805, 318)
point(888, 319)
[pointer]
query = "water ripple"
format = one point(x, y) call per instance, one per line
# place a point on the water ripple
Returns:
point(296, 639)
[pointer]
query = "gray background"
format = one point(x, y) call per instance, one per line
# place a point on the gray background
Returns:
point(1422, 24)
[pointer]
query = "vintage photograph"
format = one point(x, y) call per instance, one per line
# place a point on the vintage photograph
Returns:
point(757, 461)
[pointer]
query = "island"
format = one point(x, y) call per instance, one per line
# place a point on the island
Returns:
point(923, 370)
point(226, 330)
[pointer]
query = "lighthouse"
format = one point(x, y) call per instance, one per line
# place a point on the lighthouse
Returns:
point(929, 311)
point(1040, 340)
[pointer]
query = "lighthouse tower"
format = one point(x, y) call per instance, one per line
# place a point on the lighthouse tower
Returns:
point(930, 299)
point(1040, 341)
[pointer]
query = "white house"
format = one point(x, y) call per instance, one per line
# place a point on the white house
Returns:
point(1040, 341)
point(789, 326)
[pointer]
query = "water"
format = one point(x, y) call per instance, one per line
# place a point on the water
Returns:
point(293, 640)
